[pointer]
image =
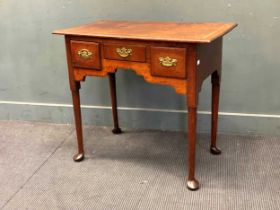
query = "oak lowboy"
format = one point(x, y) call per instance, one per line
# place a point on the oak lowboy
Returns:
point(180, 55)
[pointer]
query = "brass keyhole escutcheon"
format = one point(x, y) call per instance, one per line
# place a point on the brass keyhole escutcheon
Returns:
point(124, 52)
point(167, 61)
point(85, 54)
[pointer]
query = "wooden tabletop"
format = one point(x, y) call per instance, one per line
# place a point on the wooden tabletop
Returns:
point(158, 31)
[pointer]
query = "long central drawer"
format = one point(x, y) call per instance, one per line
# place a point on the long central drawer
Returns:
point(125, 52)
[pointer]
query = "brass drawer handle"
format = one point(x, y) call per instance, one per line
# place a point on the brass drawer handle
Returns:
point(124, 52)
point(85, 54)
point(167, 61)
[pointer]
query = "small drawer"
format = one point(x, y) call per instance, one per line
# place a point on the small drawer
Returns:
point(168, 62)
point(85, 54)
point(125, 52)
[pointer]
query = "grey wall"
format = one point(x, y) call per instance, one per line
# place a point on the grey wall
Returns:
point(33, 66)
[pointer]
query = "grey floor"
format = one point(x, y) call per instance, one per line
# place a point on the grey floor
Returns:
point(135, 170)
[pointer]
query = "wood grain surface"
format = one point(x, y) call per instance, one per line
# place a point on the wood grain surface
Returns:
point(157, 31)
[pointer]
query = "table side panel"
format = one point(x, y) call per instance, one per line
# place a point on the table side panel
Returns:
point(210, 57)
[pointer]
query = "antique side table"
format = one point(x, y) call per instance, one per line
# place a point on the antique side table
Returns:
point(180, 55)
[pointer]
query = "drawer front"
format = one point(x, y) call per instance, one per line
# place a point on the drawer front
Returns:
point(168, 62)
point(125, 52)
point(85, 54)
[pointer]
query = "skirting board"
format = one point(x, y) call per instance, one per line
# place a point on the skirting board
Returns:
point(141, 118)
